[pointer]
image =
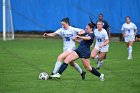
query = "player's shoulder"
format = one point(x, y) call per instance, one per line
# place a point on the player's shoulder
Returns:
point(132, 23)
point(104, 31)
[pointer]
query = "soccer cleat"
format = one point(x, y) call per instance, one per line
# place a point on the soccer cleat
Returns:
point(130, 57)
point(102, 77)
point(57, 76)
point(50, 76)
point(83, 75)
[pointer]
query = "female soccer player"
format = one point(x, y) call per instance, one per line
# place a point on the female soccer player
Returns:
point(101, 45)
point(67, 33)
point(83, 52)
point(129, 31)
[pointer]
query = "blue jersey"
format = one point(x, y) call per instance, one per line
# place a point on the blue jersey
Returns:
point(83, 49)
point(85, 44)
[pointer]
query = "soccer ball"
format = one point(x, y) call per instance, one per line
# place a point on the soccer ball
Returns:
point(43, 76)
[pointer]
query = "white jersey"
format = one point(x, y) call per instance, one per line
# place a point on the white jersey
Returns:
point(101, 37)
point(68, 35)
point(129, 29)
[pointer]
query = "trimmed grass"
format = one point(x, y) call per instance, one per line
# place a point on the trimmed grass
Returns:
point(22, 60)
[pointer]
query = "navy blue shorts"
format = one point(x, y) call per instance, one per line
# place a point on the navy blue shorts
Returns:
point(82, 53)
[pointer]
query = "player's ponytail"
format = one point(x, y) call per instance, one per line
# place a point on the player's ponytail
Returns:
point(91, 26)
point(66, 20)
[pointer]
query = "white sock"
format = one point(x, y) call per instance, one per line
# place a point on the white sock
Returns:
point(130, 50)
point(57, 66)
point(77, 67)
point(97, 57)
point(100, 63)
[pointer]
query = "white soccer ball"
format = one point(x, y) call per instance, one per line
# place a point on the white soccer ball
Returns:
point(43, 76)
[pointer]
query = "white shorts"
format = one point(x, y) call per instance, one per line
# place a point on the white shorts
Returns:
point(103, 49)
point(129, 38)
point(70, 49)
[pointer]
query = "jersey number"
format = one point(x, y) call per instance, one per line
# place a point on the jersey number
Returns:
point(67, 38)
point(128, 31)
point(99, 40)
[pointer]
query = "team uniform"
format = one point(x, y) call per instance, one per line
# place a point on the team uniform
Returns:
point(129, 29)
point(68, 35)
point(83, 49)
point(101, 36)
point(105, 25)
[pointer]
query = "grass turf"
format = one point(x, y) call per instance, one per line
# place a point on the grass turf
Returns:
point(22, 60)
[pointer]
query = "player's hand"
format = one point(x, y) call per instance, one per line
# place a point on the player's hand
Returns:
point(135, 34)
point(91, 46)
point(101, 46)
point(77, 36)
point(45, 34)
point(124, 35)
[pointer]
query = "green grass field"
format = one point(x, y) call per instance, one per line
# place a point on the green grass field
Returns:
point(22, 59)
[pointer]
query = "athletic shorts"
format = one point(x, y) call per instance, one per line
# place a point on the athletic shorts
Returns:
point(103, 49)
point(69, 49)
point(83, 53)
point(129, 38)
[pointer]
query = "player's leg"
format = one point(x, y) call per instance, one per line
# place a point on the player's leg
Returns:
point(129, 45)
point(59, 61)
point(86, 63)
point(71, 57)
point(94, 53)
point(100, 60)
point(77, 67)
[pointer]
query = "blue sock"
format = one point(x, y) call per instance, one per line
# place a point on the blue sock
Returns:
point(62, 68)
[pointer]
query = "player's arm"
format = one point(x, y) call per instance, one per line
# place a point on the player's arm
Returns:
point(123, 32)
point(77, 40)
point(49, 34)
point(105, 43)
point(135, 33)
point(92, 46)
point(81, 32)
point(109, 31)
point(84, 37)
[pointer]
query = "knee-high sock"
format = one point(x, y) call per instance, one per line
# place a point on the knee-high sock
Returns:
point(57, 66)
point(62, 68)
point(95, 72)
point(77, 67)
point(130, 50)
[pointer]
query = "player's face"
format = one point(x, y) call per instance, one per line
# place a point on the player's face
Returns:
point(100, 17)
point(88, 29)
point(64, 25)
point(127, 20)
point(99, 25)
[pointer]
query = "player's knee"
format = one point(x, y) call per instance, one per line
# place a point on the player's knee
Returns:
point(92, 56)
point(60, 58)
point(88, 68)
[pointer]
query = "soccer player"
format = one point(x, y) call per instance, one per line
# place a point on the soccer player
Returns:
point(101, 44)
point(67, 33)
point(105, 23)
point(107, 28)
point(129, 31)
point(83, 52)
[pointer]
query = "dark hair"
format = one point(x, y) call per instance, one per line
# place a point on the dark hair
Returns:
point(66, 20)
point(127, 17)
point(101, 14)
point(91, 26)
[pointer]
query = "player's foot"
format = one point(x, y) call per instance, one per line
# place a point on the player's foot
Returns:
point(83, 75)
point(130, 57)
point(50, 76)
point(102, 77)
point(57, 76)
